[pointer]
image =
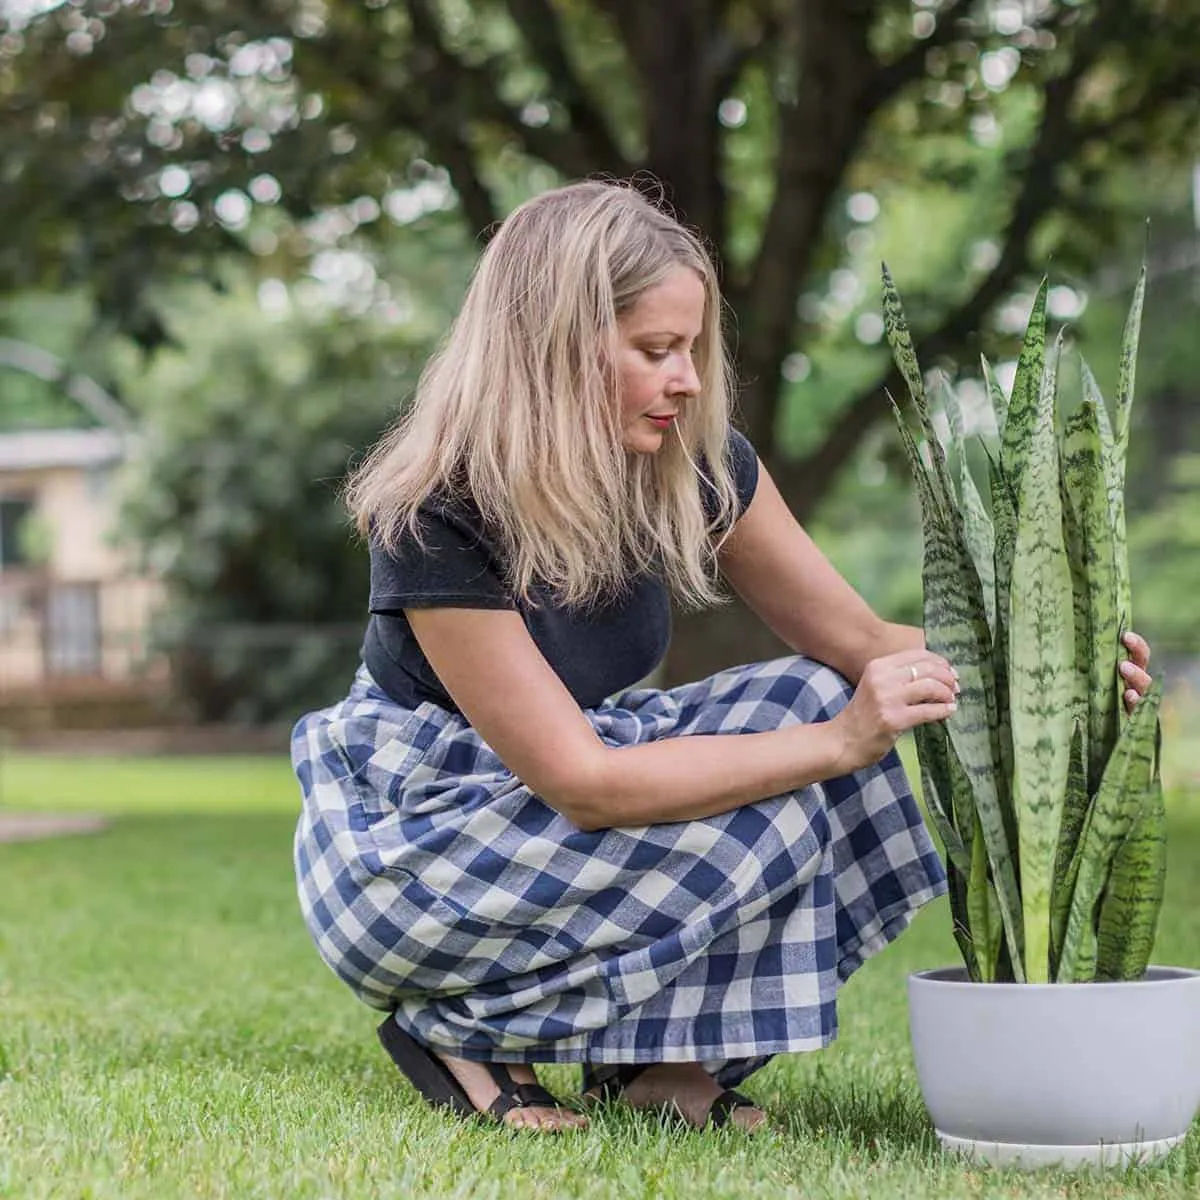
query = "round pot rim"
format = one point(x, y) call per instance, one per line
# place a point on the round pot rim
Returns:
point(1169, 976)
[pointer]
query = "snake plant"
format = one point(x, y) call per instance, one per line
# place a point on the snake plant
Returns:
point(1045, 793)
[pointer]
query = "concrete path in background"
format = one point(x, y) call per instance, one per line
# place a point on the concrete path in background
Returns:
point(29, 827)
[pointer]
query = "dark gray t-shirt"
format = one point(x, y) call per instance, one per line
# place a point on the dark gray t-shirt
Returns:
point(595, 652)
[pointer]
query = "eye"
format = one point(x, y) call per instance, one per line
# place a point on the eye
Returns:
point(655, 355)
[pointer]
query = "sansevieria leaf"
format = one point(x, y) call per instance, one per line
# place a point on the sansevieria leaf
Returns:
point(977, 525)
point(1134, 894)
point(1115, 807)
point(1128, 371)
point(1114, 473)
point(1024, 403)
point(996, 395)
point(1084, 475)
point(1041, 665)
point(1076, 804)
point(1045, 795)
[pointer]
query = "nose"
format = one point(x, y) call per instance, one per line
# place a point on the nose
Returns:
point(685, 382)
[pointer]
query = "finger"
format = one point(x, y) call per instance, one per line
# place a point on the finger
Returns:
point(1131, 699)
point(1135, 677)
point(917, 688)
point(924, 714)
point(922, 659)
point(1138, 647)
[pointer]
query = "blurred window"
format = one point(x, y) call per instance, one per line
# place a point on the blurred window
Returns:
point(14, 512)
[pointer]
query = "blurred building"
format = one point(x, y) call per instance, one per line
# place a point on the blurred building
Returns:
point(74, 611)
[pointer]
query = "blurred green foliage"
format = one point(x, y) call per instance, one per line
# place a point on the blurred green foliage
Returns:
point(252, 222)
point(249, 421)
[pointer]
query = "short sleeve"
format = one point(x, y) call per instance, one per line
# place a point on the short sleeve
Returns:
point(743, 462)
point(456, 566)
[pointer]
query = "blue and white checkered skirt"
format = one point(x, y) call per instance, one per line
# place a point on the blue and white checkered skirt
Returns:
point(438, 886)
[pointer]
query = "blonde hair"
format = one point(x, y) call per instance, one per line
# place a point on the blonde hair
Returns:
point(518, 409)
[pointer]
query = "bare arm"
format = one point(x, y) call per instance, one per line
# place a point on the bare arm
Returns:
point(492, 668)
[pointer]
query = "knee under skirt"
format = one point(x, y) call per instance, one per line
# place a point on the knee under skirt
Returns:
point(440, 888)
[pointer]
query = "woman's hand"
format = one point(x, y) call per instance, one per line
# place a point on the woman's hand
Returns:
point(1133, 671)
point(895, 693)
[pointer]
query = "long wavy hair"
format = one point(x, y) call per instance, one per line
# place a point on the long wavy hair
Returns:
point(519, 410)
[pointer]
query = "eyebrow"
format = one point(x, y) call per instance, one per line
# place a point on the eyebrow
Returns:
point(663, 333)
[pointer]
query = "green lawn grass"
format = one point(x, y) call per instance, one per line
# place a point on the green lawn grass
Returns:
point(166, 1029)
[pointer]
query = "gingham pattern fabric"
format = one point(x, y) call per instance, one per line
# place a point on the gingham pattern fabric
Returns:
point(437, 885)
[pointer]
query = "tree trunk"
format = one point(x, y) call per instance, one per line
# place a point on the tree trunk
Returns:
point(679, 75)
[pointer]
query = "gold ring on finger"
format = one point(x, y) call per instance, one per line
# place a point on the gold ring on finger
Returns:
point(915, 673)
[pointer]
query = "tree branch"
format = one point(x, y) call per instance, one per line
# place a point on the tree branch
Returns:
point(540, 27)
point(910, 66)
point(819, 132)
point(804, 482)
point(474, 91)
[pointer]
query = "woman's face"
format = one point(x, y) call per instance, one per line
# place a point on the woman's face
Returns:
point(656, 340)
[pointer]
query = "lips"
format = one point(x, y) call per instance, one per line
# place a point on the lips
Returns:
point(662, 421)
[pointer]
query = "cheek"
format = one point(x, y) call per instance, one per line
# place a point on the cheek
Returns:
point(639, 386)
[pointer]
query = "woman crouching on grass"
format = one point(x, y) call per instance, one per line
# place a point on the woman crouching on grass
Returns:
point(508, 847)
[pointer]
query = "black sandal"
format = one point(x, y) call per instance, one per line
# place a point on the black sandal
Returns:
point(611, 1081)
point(437, 1084)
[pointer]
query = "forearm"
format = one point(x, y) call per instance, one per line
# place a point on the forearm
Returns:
point(699, 775)
point(893, 638)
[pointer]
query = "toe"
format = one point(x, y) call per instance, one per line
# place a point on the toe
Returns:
point(749, 1119)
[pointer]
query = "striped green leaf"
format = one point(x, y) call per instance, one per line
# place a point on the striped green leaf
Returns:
point(1113, 473)
point(983, 911)
point(1042, 662)
point(1073, 540)
point(956, 882)
point(1087, 486)
point(1116, 806)
point(1025, 401)
point(1076, 803)
point(1134, 895)
point(977, 525)
point(956, 627)
point(1004, 526)
point(1128, 372)
point(996, 395)
point(936, 788)
point(895, 324)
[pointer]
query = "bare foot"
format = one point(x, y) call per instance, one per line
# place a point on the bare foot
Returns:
point(689, 1088)
point(482, 1089)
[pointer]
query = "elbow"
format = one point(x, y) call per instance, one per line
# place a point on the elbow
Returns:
point(583, 795)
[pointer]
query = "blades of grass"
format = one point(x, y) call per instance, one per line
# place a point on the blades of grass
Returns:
point(1134, 895)
point(1041, 680)
point(1024, 403)
point(1076, 804)
point(1087, 486)
point(1114, 809)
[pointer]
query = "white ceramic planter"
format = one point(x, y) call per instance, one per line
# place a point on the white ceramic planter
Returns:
point(1067, 1074)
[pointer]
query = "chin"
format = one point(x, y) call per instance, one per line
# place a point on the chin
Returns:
point(644, 442)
